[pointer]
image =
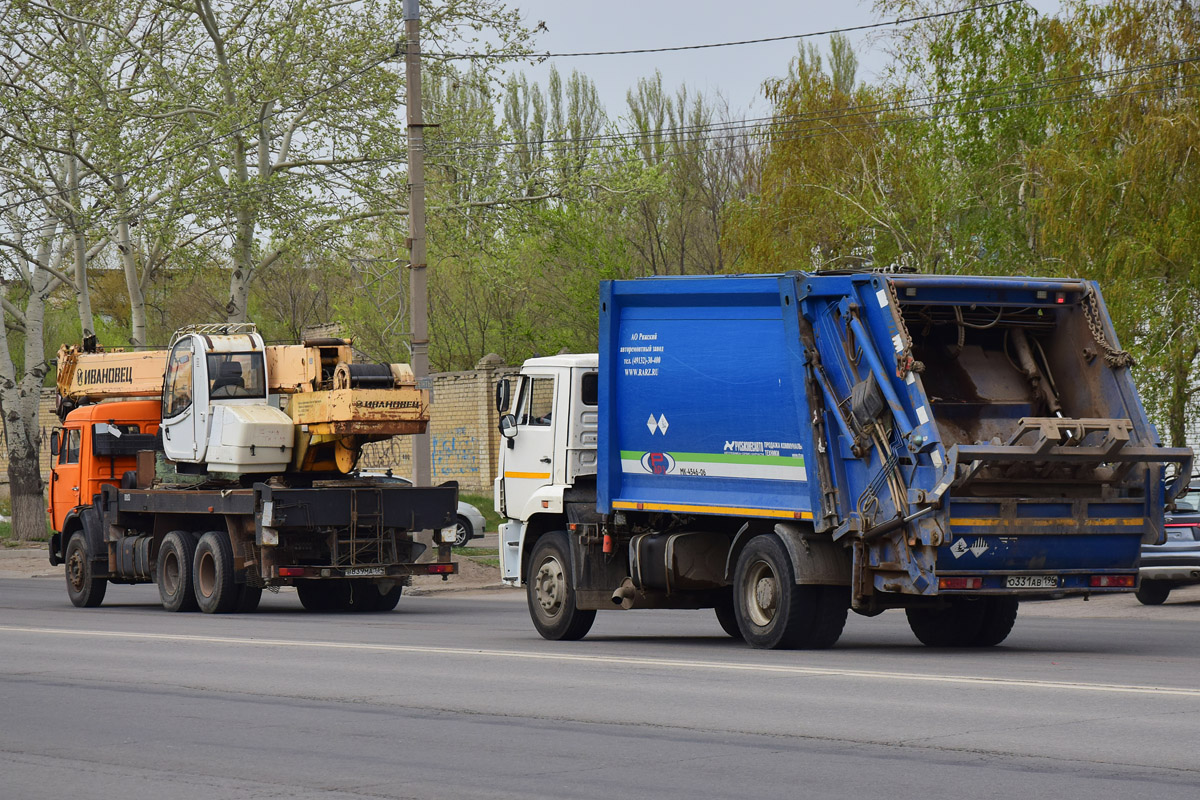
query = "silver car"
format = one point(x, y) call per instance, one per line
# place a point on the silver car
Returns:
point(1175, 562)
point(470, 523)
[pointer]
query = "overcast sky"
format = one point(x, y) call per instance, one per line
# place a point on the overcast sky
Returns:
point(737, 72)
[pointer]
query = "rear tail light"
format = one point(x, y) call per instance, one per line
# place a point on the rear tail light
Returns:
point(960, 583)
point(441, 569)
point(1114, 581)
point(292, 572)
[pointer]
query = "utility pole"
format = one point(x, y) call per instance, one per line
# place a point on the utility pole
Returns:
point(418, 291)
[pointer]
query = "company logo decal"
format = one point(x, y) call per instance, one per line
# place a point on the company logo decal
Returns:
point(658, 463)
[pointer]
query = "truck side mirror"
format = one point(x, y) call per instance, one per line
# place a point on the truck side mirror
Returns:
point(508, 426)
point(54, 443)
point(503, 390)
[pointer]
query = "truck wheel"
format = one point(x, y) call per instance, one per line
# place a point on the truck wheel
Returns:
point(324, 596)
point(83, 587)
point(366, 596)
point(773, 611)
point(549, 592)
point(248, 598)
point(463, 532)
point(834, 606)
point(1153, 593)
point(174, 571)
point(212, 574)
point(389, 599)
point(999, 615)
point(957, 624)
point(727, 615)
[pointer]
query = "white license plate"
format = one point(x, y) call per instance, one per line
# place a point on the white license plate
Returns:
point(1031, 582)
point(365, 571)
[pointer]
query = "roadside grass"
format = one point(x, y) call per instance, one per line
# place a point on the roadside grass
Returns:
point(484, 503)
point(487, 556)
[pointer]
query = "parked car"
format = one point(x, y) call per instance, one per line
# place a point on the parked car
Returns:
point(1175, 562)
point(470, 521)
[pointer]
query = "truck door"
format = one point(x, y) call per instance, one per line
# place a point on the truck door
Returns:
point(180, 409)
point(529, 461)
point(66, 480)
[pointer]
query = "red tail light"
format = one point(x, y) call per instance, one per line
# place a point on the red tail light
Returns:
point(292, 572)
point(1114, 581)
point(960, 583)
point(441, 569)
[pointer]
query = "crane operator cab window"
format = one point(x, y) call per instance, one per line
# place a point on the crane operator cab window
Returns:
point(236, 375)
point(178, 395)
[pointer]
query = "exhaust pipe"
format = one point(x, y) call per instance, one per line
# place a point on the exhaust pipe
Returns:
point(624, 594)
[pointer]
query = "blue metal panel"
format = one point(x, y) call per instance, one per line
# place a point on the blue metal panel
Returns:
point(698, 410)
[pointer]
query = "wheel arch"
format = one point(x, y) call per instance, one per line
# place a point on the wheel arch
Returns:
point(537, 527)
point(816, 558)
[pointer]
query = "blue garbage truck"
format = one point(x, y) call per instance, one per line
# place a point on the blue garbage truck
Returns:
point(787, 448)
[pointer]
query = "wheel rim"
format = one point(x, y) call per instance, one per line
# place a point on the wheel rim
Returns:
point(460, 534)
point(550, 587)
point(75, 570)
point(760, 593)
point(170, 576)
point(206, 574)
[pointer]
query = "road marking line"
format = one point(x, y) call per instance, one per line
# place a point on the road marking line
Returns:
point(718, 666)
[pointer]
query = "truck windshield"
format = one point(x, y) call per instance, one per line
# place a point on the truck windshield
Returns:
point(236, 375)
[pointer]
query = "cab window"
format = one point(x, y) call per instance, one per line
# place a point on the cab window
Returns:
point(178, 396)
point(69, 449)
point(537, 401)
point(589, 389)
point(236, 375)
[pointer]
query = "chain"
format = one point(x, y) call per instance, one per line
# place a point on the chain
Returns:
point(1091, 312)
point(904, 361)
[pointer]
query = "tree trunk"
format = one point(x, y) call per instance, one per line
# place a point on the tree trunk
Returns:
point(86, 322)
point(133, 283)
point(25, 478)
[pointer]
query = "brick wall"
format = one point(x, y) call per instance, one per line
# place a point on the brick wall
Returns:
point(463, 437)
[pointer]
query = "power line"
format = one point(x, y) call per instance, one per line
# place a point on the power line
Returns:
point(790, 37)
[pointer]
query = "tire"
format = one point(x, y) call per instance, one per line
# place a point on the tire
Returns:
point(773, 611)
point(213, 574)
point(324, 596)
point(365, 596)
point(831, 617)
point(1153, 593)
point(999, 616)
point(550, 594)
point(727, 615)
point(248, 598)
point(83, 587)
point(463, 532)
point(174, 571)
point(957, 624)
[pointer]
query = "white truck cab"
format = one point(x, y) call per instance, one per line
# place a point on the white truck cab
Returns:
point(549, 428)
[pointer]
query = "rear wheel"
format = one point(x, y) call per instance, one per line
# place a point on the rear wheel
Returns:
point(213, 574)
point(549, 592)
point(999, 616)
point(248, 598)
point(322, 596)
point(727, 615)
point(773, 611)
point(174, 570)
point(958, 623)
point(1153, 593)
point(463, 531)
point(83, 587)
point(366, 596)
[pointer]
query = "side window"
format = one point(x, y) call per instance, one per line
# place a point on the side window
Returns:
point(537, 401)
point(178, 395)
point(589, 389)
point(69, 449)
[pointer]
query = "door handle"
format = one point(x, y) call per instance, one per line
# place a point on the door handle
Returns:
point(545, 459)
point(74, 488)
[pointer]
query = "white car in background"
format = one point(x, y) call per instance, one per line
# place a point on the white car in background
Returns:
point(470, 523)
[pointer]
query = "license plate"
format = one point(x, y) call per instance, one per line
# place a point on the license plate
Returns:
point(1031, 582)
point(364, 572)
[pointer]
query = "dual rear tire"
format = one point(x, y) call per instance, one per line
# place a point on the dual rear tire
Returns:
point(965, 622)
point(200, 575)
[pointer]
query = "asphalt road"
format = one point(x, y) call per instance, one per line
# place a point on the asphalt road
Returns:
point(454, 696)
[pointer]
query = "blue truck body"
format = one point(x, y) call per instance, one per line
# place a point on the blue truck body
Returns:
point(955, 435)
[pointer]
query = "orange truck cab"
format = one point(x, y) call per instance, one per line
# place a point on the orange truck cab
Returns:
point(96, 445)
